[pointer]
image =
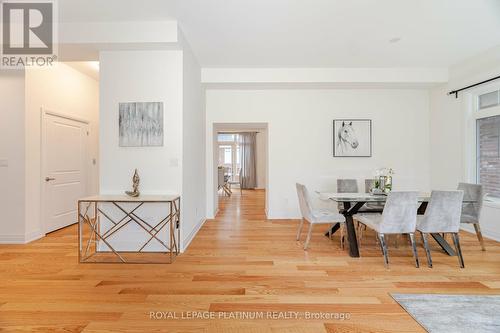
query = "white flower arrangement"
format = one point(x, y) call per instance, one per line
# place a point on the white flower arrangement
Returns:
point(383, 179)
point(384, 172)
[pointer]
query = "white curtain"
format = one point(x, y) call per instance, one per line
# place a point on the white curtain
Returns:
point(248, 174)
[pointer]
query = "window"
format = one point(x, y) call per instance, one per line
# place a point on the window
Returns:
point(487, 149)
point(227, 137)
point(229, 155)
point(488, 154)
point(489, 99)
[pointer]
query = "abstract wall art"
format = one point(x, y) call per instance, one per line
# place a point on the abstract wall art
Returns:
point(141, 124)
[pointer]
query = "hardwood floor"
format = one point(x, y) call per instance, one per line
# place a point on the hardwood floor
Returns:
point(238, 264)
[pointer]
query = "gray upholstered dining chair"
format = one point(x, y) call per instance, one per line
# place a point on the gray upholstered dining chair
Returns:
point(399, 217)
point(370, 206)
point(471, 211)
point(369, 185)
point(442, 215)
point(317, 216)
point(346, 186)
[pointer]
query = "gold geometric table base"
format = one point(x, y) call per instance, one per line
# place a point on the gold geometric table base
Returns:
point(91, 237)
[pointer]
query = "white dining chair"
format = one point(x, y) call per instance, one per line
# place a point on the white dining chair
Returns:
point(471, 211)
point(442, 215)
point(317, 216)
point(398, 217)
point(222, 181)
point(238, 182)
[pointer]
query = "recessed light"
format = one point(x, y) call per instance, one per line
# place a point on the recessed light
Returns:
point(394, 40)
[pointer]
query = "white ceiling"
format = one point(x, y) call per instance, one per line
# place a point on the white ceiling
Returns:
point(315, 33)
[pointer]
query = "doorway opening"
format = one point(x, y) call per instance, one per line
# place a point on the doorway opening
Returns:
point(240, 163)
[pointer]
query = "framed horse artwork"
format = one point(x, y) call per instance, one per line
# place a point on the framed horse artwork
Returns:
point(352, 138)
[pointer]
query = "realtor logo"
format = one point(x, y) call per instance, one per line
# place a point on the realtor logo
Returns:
point(27, 33)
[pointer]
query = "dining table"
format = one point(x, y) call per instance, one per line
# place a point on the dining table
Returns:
point(354, 203)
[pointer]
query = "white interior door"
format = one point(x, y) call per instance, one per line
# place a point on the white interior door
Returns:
point(64, 146)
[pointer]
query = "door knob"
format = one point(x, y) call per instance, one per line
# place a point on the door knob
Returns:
point(48, 179)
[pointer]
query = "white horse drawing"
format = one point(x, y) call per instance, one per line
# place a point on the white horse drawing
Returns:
point(347, 141)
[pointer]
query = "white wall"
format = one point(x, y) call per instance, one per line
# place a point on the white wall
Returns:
point(141, 76)
point(300, 137)
point(450, 154)
point(171, 77)
point(64, 90)
point(12, 153)
point(193, 149)
point(261, 158)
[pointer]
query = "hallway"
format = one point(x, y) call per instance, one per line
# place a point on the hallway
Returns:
point(247, 206)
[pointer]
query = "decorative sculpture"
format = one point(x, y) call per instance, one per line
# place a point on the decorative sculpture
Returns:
point(135, 186)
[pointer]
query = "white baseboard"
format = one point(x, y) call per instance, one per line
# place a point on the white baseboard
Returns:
point(21, 239)
point(12, 239)
point(190, 237)
point(33, 236)
point(213, 214)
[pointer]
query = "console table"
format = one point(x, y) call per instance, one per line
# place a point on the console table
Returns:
point(103, 219)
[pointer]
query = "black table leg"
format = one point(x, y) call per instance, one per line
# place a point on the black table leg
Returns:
point(422, 208)
point(351, 237)
point(444, 244)
point(348, 212)
point(333, 229)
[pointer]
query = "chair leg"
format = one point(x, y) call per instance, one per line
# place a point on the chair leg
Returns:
point(456, 240)
point(396, 241)
point(383, 246)
point(342, 236)
point(360, 234)
point(414, 248)
point(479, 235)
point(427, 249)
point(306, 244)
point(300, 228)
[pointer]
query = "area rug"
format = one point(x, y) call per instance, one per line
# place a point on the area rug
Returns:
point(453, 313)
